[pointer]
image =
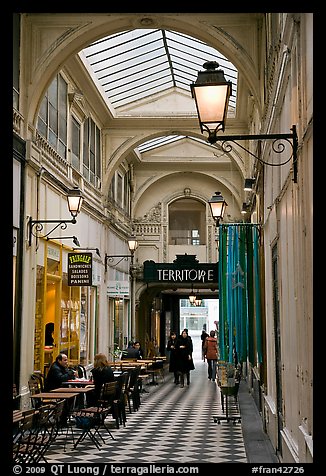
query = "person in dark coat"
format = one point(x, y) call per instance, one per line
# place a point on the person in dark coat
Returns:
point(102, 373)
point(184, 357)
point(58, 373)
point(133, 352)
point(203, 338)
point(171, 347)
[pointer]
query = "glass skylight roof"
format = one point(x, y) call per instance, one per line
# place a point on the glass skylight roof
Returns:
point(136, 64)
point(160, 141)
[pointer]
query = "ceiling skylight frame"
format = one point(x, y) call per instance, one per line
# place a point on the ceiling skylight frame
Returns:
point(121, 51)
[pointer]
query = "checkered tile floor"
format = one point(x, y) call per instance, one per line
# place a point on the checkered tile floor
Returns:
point(172, 425)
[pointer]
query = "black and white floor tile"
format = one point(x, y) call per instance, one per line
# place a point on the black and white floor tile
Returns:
point(172, 425)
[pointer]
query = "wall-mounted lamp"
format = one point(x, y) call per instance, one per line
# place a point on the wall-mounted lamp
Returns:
point(75, 199)
point(192, 296)
point(198, 301)
point(88, 249)
point(249, 184)
point(245, 208)
point(132, 245)
point(218, 206)
point(73, 238)
point(211, 92)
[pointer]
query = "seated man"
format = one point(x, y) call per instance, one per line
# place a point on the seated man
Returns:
point(133, 352)
point(59, 373)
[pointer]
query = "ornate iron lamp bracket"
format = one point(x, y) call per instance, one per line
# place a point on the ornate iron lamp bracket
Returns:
point(278, 146)
point(36, 226)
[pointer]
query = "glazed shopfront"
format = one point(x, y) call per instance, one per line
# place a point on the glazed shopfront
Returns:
point(65, 313)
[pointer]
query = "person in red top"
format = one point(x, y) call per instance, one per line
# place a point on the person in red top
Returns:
point(211, 354)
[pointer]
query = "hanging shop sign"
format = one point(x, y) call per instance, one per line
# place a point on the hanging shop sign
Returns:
point(80, 269)
point(184, 269)
point(118, 288)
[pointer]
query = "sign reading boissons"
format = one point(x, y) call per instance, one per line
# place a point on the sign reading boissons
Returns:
point(80, 269)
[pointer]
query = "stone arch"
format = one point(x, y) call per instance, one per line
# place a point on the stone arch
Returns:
point(51, 44)
point(131, 143)
point(195, 193)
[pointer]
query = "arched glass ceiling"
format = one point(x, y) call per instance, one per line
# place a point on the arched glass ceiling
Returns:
point(135, 64)
point(160, 141)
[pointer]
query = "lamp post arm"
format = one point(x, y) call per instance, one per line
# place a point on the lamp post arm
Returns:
point(112, 258)
point(38, 225)
point(278, 146)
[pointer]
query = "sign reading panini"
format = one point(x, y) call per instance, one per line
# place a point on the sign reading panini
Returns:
point(80, 269)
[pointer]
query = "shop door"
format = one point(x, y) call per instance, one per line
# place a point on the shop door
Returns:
point(50, 321)
point(69, 335)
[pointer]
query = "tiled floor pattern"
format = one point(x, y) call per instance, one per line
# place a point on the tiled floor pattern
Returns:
point(173, 425)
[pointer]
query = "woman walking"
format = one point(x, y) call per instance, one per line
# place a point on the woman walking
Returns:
point(211, 353)
point(171, 347)
point(184, 357)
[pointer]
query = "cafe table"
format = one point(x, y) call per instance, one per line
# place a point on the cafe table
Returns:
point(149, 363)
point(77, 382)
point(55, 395)
point(72, 390)
point(80, 391)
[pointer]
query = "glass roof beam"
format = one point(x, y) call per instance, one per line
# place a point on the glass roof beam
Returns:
point(111, 38)
point(168, 56)
point(133, 84)
point(134, 66)
point(144, 95)
point(139, 78)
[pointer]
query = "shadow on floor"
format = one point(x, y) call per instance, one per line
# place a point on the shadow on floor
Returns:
point(258, 446)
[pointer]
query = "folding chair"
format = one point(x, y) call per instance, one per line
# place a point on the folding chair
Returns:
point(120, 397)
point(35, 387)
point(24, 443)
point(35, 436)
point(44, 432)
point(91, 419)
point(132, 390)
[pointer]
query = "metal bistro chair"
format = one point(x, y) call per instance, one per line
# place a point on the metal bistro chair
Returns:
point(132, 390)
point(35, 387)
point(24, 443)
point(39, 377)
point(108, 399)
point(122, 381)
point(91, 419)
point(35, 436)
point(62, 426)
point(156, 370)
point(81, 371)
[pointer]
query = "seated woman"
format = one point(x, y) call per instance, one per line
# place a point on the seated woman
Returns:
point(102, 373)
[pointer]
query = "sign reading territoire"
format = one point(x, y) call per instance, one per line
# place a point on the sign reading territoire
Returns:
point(185, 268)
point(80, 269)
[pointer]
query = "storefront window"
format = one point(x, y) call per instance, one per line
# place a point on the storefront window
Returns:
point(38, 333)
point(65, 316)
point(70, 320)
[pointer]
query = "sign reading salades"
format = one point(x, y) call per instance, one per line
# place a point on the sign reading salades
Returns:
point(80, 269)
point(184, 269)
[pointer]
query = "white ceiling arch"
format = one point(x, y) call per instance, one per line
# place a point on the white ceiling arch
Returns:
point(172, 184)
point(54, 38)
point(131, 144)
point(136, 64)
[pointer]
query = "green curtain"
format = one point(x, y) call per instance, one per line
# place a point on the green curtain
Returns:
point(239, 293)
